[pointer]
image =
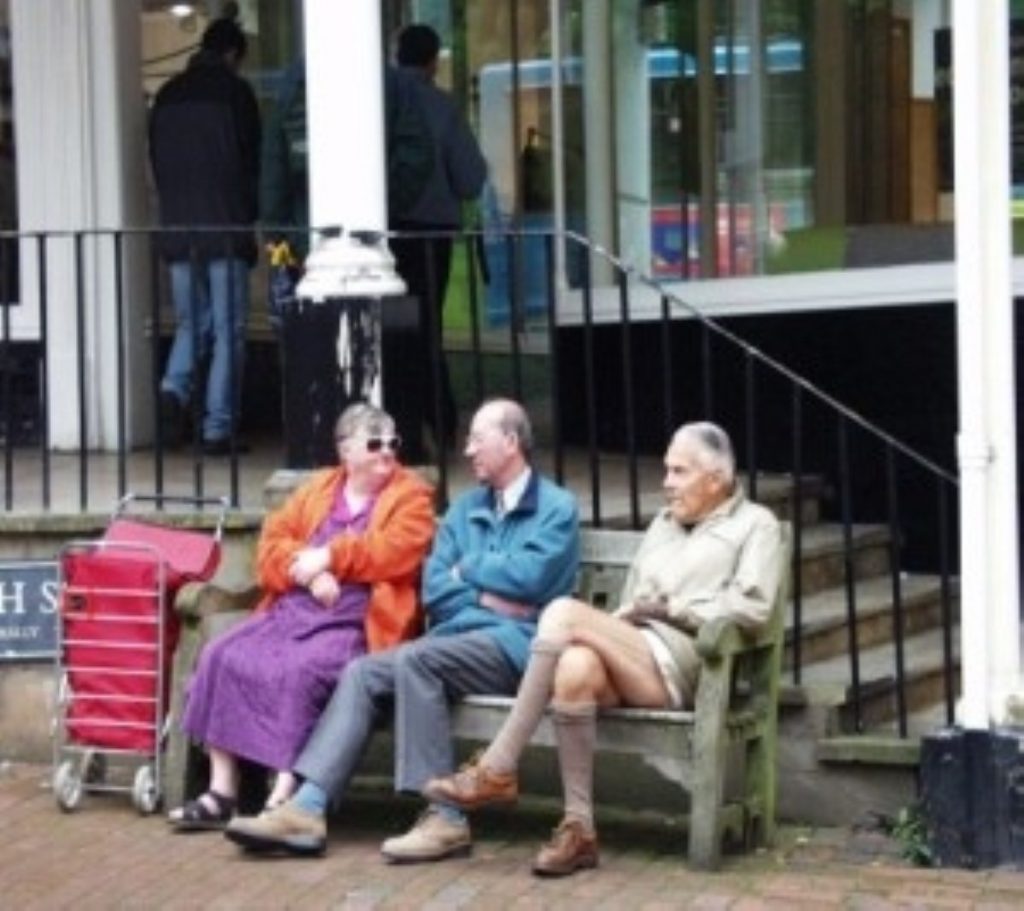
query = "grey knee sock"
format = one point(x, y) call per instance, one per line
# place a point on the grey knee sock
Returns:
point(575, 731)
point(531, 700)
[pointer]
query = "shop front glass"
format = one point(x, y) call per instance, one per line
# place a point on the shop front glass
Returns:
point(700, 138)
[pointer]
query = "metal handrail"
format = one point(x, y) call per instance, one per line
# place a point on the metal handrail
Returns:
point(715, 344)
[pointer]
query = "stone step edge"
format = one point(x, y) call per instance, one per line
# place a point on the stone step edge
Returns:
point(817, 626)
point(836, 695)
point(869, 750)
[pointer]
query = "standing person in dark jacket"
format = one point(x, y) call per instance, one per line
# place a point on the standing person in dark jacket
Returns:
point(458, 174)
point(205, 146)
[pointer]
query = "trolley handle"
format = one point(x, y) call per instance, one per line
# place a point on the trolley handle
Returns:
point(222, 504)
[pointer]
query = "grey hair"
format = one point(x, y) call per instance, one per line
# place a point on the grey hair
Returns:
point(514, 419)
point(363, 418)
point(713, 444)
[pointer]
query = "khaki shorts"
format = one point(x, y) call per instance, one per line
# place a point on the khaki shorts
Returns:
point(667, 667)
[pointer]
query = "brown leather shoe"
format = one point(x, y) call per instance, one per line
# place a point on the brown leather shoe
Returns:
point(571, 848)
point(474, 785)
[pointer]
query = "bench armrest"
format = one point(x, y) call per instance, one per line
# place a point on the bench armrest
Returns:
point(197, 600)
point(721, 636)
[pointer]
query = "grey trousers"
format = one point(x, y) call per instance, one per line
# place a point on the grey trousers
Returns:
point(416, 683)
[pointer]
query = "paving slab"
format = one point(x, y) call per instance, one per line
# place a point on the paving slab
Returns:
point(106, 856)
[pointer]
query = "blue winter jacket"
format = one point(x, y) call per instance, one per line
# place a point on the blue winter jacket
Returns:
point(530, 556)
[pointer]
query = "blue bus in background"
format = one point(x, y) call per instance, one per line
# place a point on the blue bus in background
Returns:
point(524, 186)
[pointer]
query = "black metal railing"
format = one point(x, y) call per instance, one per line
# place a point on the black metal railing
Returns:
point(607, 374)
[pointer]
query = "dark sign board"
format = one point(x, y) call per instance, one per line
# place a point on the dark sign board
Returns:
point(944, 75)
point(28, 610)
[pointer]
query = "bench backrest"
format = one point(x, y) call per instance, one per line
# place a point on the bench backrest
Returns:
point(605, 557)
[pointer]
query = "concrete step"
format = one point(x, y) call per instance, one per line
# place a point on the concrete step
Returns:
point(823, 564)
point(823, 628)
point(774, 490)
point(881, 744)
point(828, 682)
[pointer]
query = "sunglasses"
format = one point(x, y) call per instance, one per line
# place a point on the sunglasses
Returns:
point(376, 444)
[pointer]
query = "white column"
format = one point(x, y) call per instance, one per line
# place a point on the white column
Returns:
point(345, 132)
point(707, 139)
point(990, 624)
point(555, 16)
point(598, 133)
point(344, 110)
point(751, 114)
point(632, 136)
point(80, 127)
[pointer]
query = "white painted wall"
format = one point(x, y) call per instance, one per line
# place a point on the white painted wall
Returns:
point(80, 125)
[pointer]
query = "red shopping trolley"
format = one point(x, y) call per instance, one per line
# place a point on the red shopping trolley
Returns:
point(116, 635)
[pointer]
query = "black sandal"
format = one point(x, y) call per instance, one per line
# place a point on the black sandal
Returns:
point(196, 816)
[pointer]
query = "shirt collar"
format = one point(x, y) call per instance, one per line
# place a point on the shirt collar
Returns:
point(513, 492)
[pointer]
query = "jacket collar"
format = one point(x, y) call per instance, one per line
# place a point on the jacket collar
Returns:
point(528, 502)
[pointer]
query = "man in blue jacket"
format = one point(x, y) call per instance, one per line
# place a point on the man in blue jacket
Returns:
point(503, 551)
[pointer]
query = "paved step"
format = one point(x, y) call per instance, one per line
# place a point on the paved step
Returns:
point(774, 490)
point(823, 629)
point(823, 563)
point(828, 682)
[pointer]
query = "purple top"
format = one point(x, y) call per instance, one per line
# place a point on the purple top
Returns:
point(353, 597)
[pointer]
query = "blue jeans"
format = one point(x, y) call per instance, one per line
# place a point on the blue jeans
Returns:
point(212, 309)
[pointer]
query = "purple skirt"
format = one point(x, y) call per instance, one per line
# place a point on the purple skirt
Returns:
point(259, 689)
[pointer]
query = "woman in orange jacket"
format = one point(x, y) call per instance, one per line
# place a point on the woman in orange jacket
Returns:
point(339, 564)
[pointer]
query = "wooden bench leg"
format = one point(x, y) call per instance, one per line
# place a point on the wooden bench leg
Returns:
point(176, 764)
point(709, 760)
point(761, 760)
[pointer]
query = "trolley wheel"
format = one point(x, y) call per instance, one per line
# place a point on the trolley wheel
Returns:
point(67, 787)
point(144, 791)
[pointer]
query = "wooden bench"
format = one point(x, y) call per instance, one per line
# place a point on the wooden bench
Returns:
point(734, 717)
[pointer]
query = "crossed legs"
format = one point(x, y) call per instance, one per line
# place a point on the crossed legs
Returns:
point(582, 658)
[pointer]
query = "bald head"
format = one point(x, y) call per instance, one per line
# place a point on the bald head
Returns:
point(499, 442)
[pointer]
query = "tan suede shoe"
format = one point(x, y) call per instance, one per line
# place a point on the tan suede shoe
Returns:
point(432, 838)
point(571, 848)
point(474, 785)
point(285, 828)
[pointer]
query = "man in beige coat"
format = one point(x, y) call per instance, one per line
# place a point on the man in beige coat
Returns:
point(709, 553)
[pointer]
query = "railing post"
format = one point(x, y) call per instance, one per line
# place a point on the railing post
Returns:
point(668, 423)
point(797, 517)
point(750, 395)
point(591, 393)
point(849, 580)
point(627, 398)
point(80, 349)
point(556, 411)
point(44, 364)
point(897, 591)
point(7, 367)
point(121, 407)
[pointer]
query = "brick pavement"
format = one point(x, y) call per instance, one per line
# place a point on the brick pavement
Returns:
point(105, 856)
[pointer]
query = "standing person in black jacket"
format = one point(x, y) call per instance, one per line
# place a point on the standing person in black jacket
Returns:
point(205, 148)
point(458, 174)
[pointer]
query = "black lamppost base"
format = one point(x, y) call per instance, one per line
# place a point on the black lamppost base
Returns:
point(972, 794)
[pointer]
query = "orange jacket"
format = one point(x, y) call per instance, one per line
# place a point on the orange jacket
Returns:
point(388, 555)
